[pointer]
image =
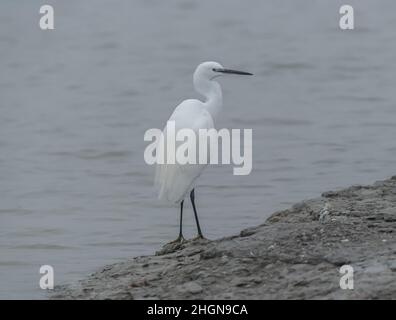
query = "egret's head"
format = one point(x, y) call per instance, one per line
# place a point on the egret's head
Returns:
point(210, 70)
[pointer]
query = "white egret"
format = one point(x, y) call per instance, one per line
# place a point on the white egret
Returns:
point(175, 181)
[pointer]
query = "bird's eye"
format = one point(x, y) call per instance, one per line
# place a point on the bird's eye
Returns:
point(214, 69)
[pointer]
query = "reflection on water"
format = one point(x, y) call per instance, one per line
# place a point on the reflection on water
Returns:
point(75, 103)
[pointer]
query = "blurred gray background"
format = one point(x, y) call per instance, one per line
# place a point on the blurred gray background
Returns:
point(75, 102)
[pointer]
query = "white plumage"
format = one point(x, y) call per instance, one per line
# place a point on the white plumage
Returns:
point(175, 181)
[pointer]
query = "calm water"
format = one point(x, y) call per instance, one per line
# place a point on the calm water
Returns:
point(75, 192)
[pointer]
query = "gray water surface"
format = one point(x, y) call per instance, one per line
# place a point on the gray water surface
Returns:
point(75, 102)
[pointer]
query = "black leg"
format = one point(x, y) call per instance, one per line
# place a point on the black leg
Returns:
point(192, 197)
point(181, 221)
point(180, 238)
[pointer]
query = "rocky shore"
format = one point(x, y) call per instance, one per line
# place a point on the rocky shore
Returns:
point(295, 254)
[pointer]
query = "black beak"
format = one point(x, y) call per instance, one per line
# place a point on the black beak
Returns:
point(229, 71)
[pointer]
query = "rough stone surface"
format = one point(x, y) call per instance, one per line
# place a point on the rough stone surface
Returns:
point(295, 254)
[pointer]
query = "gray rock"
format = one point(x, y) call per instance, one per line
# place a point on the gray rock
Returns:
point(296, 254)
point(190, 287)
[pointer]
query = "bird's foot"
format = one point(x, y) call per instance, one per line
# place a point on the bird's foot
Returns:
point(172, 246)
point(180, 239)
point(200, 237)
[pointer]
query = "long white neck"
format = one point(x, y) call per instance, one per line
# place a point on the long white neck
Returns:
point(211, 90)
